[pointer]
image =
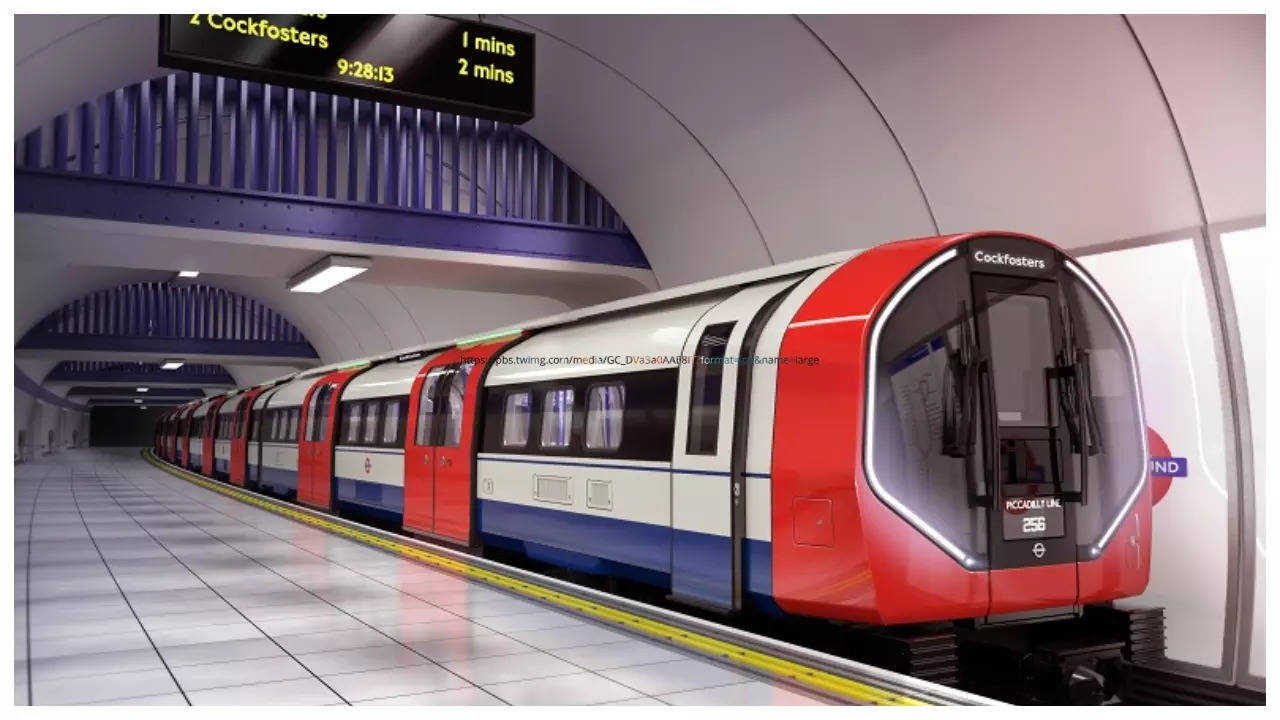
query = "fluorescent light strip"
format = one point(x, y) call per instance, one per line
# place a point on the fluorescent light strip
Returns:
point(1097, 547)
point(171, 364)
point(906, 512)
point(327, 278)
point(329, 271)
point(188, 273)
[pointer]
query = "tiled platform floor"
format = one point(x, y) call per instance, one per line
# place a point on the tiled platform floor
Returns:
point(135, 587)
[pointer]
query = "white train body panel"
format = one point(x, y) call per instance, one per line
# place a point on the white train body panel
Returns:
point(386, 380)
point(659, 333)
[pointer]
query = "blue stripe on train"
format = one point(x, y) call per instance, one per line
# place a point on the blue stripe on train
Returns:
point(384, 502)
point(640, 551)
point(281, 482)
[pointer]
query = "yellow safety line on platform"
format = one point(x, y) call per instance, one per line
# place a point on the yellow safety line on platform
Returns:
point(804, 675)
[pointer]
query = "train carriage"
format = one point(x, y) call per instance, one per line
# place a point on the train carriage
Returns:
point(223, 434)
point(935, 429)
point(368, 465)
point(277, 415)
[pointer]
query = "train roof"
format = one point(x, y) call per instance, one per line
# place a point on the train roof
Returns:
point(384, 380)
point(689, 290)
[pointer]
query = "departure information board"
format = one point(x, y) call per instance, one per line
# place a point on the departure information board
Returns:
point(420, 60)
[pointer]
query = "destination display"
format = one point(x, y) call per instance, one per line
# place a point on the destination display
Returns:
point(1032, 517)
point(425, 61)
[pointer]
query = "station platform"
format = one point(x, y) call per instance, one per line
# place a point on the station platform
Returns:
point(133, 586)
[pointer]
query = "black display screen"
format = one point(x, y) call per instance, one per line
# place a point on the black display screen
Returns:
point(420, 60)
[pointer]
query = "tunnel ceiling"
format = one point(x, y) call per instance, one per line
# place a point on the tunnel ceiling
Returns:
point(734, 142)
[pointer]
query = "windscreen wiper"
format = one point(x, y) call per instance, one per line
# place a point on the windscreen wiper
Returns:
point(1075, 390)
point(960, 386)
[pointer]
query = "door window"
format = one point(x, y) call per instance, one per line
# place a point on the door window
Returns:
point(424, 435)
point(704, 394)
point(1021, 350)
point(456, 402)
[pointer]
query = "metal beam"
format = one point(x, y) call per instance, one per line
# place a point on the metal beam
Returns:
point(68, 194)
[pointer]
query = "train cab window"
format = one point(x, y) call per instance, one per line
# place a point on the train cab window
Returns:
point(516, 412)
point(604, 416)
point(705, 390)
point(455, 404)
point(1020, 352)
point(557, 418)
point(925, 362)
point(1110, 419)
point(372, 413)
point(391, 421)
point(424, 435)
point(351, 427)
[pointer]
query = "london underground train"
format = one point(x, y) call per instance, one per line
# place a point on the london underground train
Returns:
point(930, 430)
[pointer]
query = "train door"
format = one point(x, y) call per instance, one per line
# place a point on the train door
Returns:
point(708, 465)
point(440, 439)
point(422, 441)
point(241, 438)
point(210, 429)
point(1028, 443)
point(257, 433)
point(315, 439)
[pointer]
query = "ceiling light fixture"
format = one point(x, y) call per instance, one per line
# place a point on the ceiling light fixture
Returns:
point(188, 273)
point(332, 270)
point(172, 364)
point(138, 400)
point(143, 389)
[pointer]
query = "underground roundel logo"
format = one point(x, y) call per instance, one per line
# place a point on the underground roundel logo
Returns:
point(368, 465)
point(1038, 550)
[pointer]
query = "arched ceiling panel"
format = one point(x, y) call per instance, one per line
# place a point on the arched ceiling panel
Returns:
point(63, 60)
point(395, 320)
point(812, 160)
point(1213, 71)
point(1048, 124)
point(672, 196)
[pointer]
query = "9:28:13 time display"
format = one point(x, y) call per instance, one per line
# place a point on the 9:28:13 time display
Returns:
point(366, 71)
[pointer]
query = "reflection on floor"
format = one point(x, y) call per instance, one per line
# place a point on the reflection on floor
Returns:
point(135, 587)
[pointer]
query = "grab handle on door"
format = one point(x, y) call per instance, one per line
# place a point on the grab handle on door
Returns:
point(445, 462)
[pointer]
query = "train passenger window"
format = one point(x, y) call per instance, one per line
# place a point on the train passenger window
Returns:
point(294, 415)
point(704, 395)
point(275, 425)
point(515, 419)
point(371, 414)
point(427, 408)
point(351, 433)
point(391, 422)
point(557, 418)
point(457, 395)
point(604, 416)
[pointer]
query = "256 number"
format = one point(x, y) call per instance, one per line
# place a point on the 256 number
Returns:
point(1033, 525)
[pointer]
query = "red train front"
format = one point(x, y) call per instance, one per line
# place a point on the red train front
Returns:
point(973, 438)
